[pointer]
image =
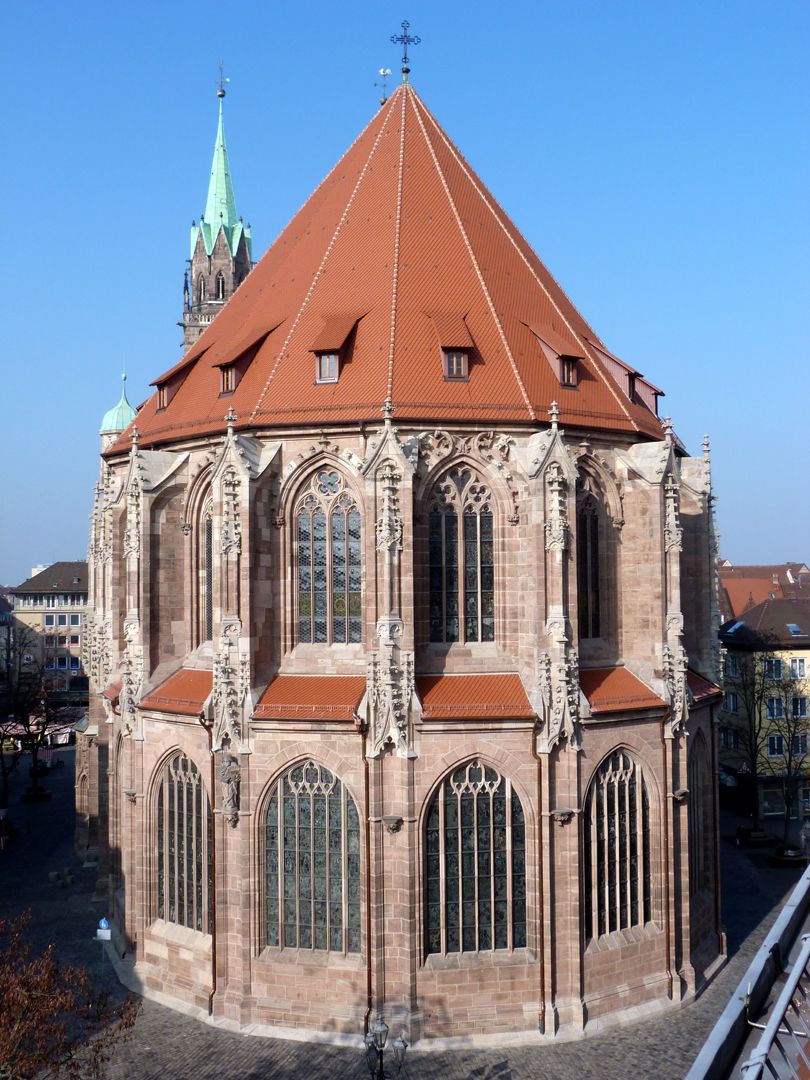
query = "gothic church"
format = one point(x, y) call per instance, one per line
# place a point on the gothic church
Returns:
point(402, 641)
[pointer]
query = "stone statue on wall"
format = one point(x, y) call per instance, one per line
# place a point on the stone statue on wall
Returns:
point(230, 778)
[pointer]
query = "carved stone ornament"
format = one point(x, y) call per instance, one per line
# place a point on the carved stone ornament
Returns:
point(673, 534)
point(230, 779)
point(390, 684)
point(132, 535)
point(487, 446)
point(132, 673)
point(556, 695)
point(389, 523)
point(557, 527)
point(675, 665)
point(231, 531)
point(231, 683)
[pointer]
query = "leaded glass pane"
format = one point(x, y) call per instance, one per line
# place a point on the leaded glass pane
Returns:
point(183, 847)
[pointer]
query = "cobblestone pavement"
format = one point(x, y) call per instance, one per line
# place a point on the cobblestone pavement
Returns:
point(169, 1045)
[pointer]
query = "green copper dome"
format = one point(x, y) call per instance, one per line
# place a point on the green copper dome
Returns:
point(120, 416)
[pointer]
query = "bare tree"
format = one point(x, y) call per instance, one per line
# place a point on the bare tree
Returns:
point(746, 676)
point(52, 1023)
point(787, 732)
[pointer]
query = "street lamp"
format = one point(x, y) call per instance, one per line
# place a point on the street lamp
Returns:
point(375, 1040)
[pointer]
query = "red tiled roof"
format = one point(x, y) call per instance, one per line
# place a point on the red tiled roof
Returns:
point(311, 697)
point(616, 689)
point(400, 228)
point(473, 697)
point(701, 688)
point(185, 692)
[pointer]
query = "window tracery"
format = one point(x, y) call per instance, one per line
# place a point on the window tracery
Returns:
point(475, 864)
point(200, 289)
point(616, 848)
point(220, 286)
point(461, 559)
point(184, 855)
point(700, 831)
point(588, 567)
point(312, 863)
point(328, 562)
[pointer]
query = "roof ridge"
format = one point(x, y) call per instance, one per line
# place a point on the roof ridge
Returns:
point(327, 253)
point(474, 261)
point(486, 196)
point(395, 268)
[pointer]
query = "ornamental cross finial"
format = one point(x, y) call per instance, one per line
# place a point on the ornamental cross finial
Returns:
point(221, 80)
point(405, 39)
point(230, 419)
point(554, 413)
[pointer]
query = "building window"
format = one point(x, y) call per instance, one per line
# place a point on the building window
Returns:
point(75, 663)
point(729, 738)
point(776, 708)
point(312, 863)
point(327, 367)
point(475, 864)
point(328, 561)
point(800, 708)
point(75, 639)
point(773, 668)
point(588, 591)
point(731, 702)
point(50, 620)
point(75, 620)
point(731, 667)
point(61, 620)
point(50, 641)
point(456, 364)
point(799, 745)
point(62, 663)
point(220, 284)
point(200, 289)
point(61, 641)
point(50, 663)
point(184, 831)
point(616, 848)
point(227, 379)
point(207, 606)
point(162, 396)
point(700, 817)
point(568, 371)
point(798, 668)
point(776, 746)
point(461, 550)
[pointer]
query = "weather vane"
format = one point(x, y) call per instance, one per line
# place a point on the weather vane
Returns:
point(385, 73)
point(221, 80)
point(405, 39)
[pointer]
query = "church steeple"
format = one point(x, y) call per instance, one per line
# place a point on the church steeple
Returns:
point(221, 250)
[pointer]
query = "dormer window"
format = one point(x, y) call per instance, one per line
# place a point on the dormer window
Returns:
point(227, 379)
point(163, 396)
point(456, 364)
point(568, 371)
point(328, 367)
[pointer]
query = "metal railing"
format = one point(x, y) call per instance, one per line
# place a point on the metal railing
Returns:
point(783, 1051)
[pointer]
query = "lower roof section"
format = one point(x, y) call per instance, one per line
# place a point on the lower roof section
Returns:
point(311, 697)
point(473, 697)
point(701, 689)
point(616, 690)
point(184, 693)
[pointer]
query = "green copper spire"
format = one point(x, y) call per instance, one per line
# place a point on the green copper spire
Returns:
point(220, 206)
point(120, 416)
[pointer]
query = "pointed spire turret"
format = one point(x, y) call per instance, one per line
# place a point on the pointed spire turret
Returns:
point(220, 205)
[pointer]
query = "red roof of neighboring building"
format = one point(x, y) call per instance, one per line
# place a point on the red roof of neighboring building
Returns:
point(473, 697)
point(113, 691)
point(616, 689)
point(185, 692)
point(700, 688)
point(311, 697)
point(400, 230)
point(744, 587)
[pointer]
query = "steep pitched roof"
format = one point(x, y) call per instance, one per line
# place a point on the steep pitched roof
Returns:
point(69, 577)
point(399, 230)
point(772, 624)
point(743, 587)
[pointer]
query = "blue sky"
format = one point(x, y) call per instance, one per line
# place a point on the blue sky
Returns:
point(655, 154)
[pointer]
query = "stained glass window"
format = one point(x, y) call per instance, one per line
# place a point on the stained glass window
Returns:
point(312, 863)
point(700, 817)
point(183, 831)
point(461, 562)
point(616, 848)
point(208, 570)
point(475, 864)
point(588, 568)
point(328, 558)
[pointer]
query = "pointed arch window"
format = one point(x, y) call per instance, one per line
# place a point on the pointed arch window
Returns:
point(200, 289)
point(475, 864)
point(329, 578)
point(312, 863)
point(203, 556)
point(220, 286)
point(461, 556)
point(588, 567)
point(700, 817)
point(183, 829)
point(616, 848)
